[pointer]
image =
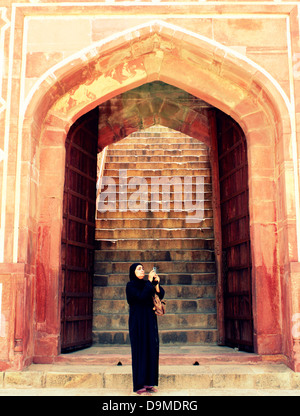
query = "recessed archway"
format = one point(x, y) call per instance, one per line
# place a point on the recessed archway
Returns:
point(159, 103)
point(206, 69)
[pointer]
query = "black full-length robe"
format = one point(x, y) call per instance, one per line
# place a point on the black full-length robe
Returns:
point(143, 333)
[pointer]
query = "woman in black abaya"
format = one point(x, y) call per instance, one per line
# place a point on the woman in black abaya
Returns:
point(143, 330)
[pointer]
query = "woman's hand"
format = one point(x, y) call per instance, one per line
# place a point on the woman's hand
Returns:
point(151, 275)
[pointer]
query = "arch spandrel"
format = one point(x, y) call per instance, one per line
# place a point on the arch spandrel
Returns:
point(158, 51)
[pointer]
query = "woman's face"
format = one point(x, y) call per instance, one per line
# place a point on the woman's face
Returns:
point(139, 272)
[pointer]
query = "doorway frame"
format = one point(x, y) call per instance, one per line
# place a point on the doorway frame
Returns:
point(249, 95)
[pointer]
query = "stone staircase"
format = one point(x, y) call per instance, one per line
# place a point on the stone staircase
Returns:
point(156, 235)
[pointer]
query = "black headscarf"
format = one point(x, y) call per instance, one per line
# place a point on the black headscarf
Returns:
point(133, 277)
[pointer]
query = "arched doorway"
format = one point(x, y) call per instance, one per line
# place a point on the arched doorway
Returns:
point(227, 81)
point(228, 154)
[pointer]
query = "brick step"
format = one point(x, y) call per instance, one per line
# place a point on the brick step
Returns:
point(154, 244)
point(154, 255)
point(180, 171)
point(149, 223)
point(169, 321)
point(129, 158)
point(162, 215)
point(154, 233)
point(166, 279)
point(166, 336)
point(202, 305)
point(173, 291)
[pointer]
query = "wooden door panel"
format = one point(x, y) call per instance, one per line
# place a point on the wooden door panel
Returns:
point(77, 248)
point(234, 207)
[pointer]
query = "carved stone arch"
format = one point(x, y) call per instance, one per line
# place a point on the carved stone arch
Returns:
point(209, 71)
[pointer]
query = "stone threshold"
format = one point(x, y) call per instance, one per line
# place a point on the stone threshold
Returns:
point(169, 355)
point(238, 376)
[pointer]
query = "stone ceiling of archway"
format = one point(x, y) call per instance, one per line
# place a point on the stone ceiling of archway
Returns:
point(150, 104)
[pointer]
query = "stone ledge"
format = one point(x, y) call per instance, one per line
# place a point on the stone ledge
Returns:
point(276, 376)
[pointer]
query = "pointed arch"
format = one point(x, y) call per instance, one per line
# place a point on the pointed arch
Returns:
point(158, 51)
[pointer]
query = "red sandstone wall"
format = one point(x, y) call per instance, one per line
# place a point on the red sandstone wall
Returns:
point(41, 37)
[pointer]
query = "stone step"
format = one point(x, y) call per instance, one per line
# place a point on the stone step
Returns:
point(148, 204)
point(154, 244)
point(188, 182)
point(162, 139)
point(163, 267)
point(129, 158)
point(166, 336)
point(216, 375)
point(128, 233)
point(154, 255)
point(202, 305)
point(181, 150)
point(149, 223)
point(169, 321)
point(165, 165)
point(205, 233)
point(180, 171)
point(157, 192)
point(162, 215)
point(172, 291)
point(166, 279)
point(157, 151)
point(192, 211)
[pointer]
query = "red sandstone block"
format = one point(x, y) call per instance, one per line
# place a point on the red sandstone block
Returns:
point(52, 159)
point(262, 159)
point(46, 346)
point(102, 28)
point(6, 330)
point(39, 62)
point(297, 95)
point(264, 212)
point(23, 244)
point(202, 27)
point(54, 121)
point(244, 107)
point(54, 137)
point(251, 32)
point(256, 120)
point(53, 185)
point(263, 188)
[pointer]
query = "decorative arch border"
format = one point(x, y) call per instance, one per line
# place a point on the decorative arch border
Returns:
point(215, 74)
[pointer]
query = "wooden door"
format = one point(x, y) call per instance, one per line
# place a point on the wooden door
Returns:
point(234, 210)
point(77, 245)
